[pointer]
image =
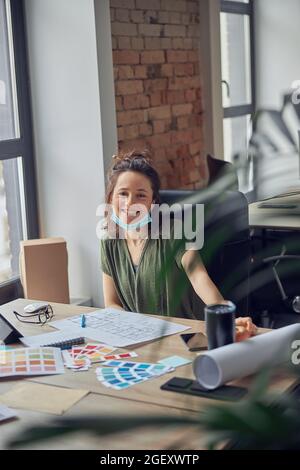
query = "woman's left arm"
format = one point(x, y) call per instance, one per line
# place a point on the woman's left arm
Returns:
point(199, 278)
point(209, 293)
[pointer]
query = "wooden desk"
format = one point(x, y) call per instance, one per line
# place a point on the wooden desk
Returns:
point(145, 398)
point(276, 219)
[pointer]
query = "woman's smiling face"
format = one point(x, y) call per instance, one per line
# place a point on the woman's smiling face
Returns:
point(132, 188)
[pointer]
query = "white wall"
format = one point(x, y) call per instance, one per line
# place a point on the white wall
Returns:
point(63, 59)
point(106, 81)
point(277, 34)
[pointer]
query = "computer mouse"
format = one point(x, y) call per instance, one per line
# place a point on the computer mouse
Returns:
point(35, 307)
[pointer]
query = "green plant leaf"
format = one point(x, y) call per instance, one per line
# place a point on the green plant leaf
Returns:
point(98, 425)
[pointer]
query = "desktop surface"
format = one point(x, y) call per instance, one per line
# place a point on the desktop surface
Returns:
point(145, 398)
point(278, 213)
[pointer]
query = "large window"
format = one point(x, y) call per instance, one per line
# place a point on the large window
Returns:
point(238, 92)
point(18, 210)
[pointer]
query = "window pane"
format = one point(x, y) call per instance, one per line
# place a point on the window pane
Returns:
point(12, 217)
point(9, 124)
point(237, 133)
point(236, 59)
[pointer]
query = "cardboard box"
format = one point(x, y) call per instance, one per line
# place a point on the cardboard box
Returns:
point(44, 269)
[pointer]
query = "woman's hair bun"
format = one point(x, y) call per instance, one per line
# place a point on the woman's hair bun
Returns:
point(134, 160)
point(132, 155)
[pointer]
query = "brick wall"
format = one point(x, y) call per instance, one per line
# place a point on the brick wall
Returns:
point(158, 85)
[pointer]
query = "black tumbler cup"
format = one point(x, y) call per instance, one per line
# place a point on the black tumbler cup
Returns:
point(220, 324)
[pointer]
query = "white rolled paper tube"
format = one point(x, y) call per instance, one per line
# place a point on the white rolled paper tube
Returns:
point(233, 361)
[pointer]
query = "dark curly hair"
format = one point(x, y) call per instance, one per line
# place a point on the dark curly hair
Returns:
point(135, 160)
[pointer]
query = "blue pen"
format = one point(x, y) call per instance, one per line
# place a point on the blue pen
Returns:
point(82, 321)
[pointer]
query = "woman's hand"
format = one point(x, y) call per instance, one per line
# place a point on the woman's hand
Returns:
point(244, 328)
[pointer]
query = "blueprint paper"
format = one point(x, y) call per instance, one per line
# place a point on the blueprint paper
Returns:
point(119, 328)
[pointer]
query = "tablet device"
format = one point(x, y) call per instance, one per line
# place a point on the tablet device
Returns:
point(8, 333)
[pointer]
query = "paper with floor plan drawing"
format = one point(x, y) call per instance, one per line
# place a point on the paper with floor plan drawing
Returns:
point(119, 327)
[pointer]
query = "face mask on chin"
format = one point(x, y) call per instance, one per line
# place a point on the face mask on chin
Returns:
point(129, 227)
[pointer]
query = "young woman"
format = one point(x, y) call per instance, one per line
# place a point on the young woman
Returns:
point(146, 274)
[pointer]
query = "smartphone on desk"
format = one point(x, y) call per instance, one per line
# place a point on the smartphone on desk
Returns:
point(195, 341)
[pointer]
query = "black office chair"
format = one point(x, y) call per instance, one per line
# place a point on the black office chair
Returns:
point(276, 296)
point(226, 251)
point(220, 169)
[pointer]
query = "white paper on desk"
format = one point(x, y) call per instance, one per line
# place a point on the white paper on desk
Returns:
point(119, 327)
point(6, 413)
point(233, 361)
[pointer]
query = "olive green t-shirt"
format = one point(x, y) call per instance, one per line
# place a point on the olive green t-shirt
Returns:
point(159, 285)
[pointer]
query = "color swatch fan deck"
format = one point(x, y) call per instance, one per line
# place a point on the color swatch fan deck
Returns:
point(30, 361)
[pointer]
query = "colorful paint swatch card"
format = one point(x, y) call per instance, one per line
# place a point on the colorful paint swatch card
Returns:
point(123, 356)
point(96, 352)
point(31, 361)
point(99, 357)
point(92, 350)
point(82, 361)
point(121, 374)
point(79, 365)
point(175, 361)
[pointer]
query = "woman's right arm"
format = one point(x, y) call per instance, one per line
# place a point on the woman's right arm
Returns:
point(111, 298)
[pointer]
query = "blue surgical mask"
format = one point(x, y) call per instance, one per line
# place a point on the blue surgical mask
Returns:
point(141, 223)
